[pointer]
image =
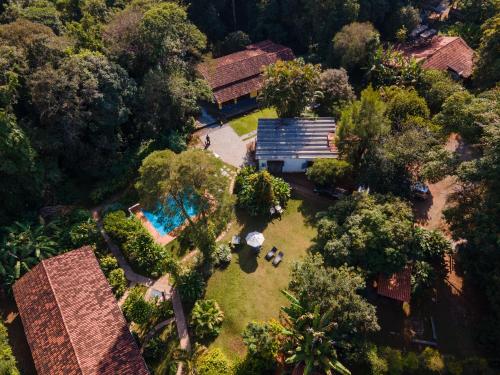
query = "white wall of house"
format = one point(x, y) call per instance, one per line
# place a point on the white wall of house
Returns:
point(289, 166)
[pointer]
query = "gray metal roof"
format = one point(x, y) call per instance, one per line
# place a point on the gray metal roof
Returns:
point(294, 138)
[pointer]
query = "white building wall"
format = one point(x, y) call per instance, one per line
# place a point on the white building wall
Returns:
point(289, 166)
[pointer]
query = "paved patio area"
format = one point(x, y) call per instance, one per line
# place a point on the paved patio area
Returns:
point(227, 144)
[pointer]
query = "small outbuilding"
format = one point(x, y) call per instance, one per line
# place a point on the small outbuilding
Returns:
point(291, 145)
point(448, 53)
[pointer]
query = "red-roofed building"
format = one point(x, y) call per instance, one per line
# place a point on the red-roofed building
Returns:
point(396, 286)
point(448, 53)
point(240, 74)
point(72, 321)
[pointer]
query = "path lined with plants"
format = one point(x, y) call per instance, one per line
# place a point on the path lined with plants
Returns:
point(162, 285)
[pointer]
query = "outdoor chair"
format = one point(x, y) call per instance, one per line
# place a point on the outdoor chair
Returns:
point(277, 259)
point(271, 253)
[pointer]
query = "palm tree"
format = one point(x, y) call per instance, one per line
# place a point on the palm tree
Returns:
point(188, 359)
point(206, 318)
point(309, 339)
point(23, 247)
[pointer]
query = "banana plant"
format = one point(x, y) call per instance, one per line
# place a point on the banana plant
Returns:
point(309, 338)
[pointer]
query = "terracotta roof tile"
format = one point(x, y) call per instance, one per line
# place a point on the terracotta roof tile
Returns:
point(397, 286)
point(445, 53)
point(240, 73)
point(72, 321)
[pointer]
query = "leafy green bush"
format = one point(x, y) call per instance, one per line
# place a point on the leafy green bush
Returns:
point(328, 171)
point(140, 249)
point(154, 349)
point(261, 339)
point(257, 192)
point(213, 362)
point(191, 286)
point(8, 365)
point(136, 309)
point(117, 281)
point(108, 263)
point(221, 255)
point(206, 318)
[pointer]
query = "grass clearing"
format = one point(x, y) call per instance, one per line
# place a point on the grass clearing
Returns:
point(249, 288)
point(248, 123)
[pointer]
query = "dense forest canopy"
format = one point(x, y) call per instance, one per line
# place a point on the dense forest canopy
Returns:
point(90, 88)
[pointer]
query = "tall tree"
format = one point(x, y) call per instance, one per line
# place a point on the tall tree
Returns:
point(289, 86)
point(361, 125)
point(487, 70)
point(82, 105)
point(336, 92)
point(194, 178)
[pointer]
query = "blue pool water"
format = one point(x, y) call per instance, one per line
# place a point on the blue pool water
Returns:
point(164, 222)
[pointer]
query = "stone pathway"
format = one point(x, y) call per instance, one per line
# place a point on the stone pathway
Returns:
point(161, 285)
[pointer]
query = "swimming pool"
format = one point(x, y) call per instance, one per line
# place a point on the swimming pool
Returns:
point(164, 222)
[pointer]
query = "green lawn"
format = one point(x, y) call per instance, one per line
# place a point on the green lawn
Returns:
point(248, 123)
point(249, 289)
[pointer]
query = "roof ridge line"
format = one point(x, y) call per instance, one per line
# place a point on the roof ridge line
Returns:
point(62, 315)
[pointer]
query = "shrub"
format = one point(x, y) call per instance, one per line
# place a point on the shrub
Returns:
point(8, 365)
point(259, 191)
point(136, 309)
point(191, 286)
point(108, 263)
point(117, 281)
point(140, 249)
point(261, 339)
point(213, 362)
point(432, 361)
point(328, 171)
point(154, 349)
point(221, 255)
point(206, 318)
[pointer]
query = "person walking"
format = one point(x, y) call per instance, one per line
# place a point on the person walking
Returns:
point(207, 141)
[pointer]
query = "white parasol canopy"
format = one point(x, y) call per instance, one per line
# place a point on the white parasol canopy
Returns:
point(254, 239)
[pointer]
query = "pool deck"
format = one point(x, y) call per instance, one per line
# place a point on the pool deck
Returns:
point(161, 239)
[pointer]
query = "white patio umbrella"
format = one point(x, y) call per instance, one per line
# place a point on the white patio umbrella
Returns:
point(254, 239)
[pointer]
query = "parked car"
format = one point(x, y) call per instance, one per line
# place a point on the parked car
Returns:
point(335, 193)
point(420, 190)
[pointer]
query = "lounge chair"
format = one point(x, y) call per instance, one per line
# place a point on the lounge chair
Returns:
point(271, 253)
point(278, 259)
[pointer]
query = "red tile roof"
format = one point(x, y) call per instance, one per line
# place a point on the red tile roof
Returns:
point(445, 53)
point(397, 286)
point(240, 73)
point(72, 321)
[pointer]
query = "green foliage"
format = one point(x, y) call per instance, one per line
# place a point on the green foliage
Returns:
point(222, 255)
point(336, 290)
point(206, 318)
point(8, 365)
point(435, 86)
point(193, 177)
point(308, 338)
point(154, 349)
point(289, 86)
point(405, 18)
point(85, 81)
point(387, 360)
point(140, 249)
point(117, 281)
point(257, 192)
point(108, 263)
point(19, 171)
point(467, 114)
point(376, 234)
point(234, 42)
point(136, 309)
point(354, 44)
point(336, 92)
point(213, 362)
point(23, 246)
point(361, 126)
point(328, 171)
point(191, 286)
point(487, 69)
point(403, 104)
point(262, 339)
point(390, 67)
